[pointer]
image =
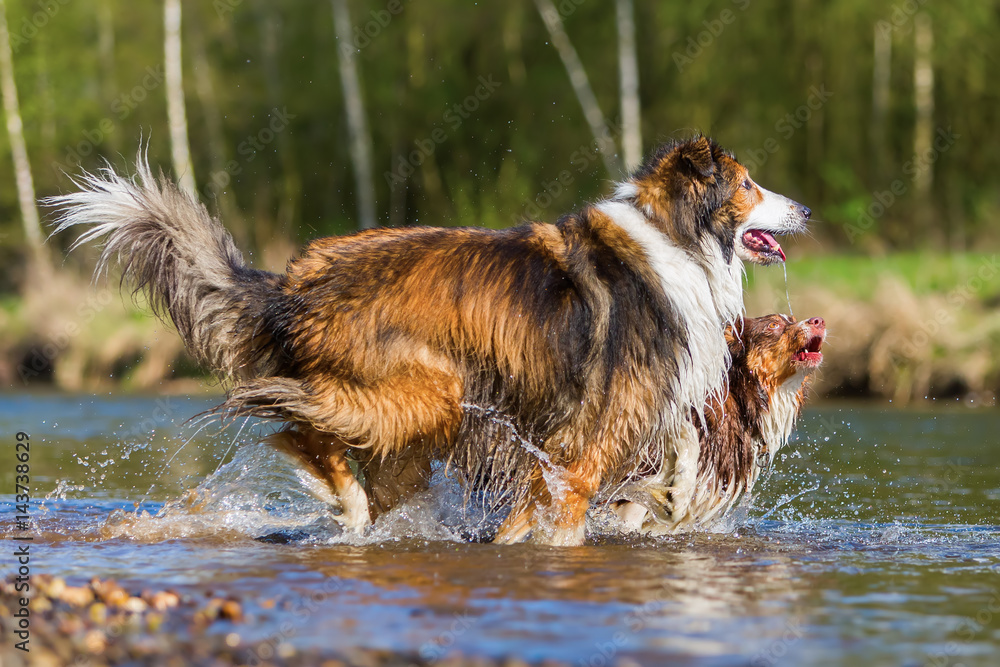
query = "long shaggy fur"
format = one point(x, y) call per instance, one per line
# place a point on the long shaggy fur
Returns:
point(541, 361)
point(773, 358)
point(168, 246)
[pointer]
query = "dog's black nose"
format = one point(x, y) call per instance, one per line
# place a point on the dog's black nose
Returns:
point(805, 212)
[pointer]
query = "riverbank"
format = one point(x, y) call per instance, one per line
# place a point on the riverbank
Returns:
point(902, 327)
point(101, 623)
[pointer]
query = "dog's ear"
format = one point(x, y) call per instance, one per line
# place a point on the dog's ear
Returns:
point(734, 336)
point(697, 154)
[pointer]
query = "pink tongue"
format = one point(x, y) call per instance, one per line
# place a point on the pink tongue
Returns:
point(762, 238)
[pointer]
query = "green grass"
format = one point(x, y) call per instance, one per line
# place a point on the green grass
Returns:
point(13, 323)
point(10, 304)
point(857, 276)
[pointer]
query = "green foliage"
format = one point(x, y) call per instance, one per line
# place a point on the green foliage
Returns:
point(744, 71)
point(968, 276)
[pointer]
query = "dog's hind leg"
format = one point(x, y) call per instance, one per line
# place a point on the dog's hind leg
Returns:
point(416, 406)
point(390, 481)
point(518, 525)
point(566, 518)
point(555, 510)
point(327, 454)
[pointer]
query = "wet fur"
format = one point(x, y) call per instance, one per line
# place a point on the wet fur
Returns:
point(595, 338)
point(742, 434)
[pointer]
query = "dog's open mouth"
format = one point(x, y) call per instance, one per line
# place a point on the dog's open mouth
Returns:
point(810, 355)
point(763, 245)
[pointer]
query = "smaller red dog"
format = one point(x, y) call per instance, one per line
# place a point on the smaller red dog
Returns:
point(773, 358)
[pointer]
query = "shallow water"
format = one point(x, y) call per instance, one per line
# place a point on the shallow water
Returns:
point(875, 542)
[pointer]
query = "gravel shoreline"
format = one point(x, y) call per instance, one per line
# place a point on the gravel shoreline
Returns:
point(102, 623)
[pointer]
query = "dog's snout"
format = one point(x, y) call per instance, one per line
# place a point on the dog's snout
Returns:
point(816, 321)
point(804, 211)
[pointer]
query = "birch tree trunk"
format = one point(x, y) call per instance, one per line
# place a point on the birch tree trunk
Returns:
point(923, 97)
point(513, 27)
point(581, 85)
point(357, 126)
point(106, 49)
point(205, 89)
point(18, 149)
point(176, 115)
point(46, 114)
point(290, 195)
point(628, 67)
point(882, 57)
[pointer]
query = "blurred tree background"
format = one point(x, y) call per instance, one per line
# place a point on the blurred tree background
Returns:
point(880, 115)
point(90, 78)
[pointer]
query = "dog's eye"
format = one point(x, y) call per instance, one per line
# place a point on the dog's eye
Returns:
point(773, 327)
point(747, 184)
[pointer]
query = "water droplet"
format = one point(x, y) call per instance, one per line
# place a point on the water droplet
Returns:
point(788, 299)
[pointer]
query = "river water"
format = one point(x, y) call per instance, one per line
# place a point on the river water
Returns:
point(876, 541)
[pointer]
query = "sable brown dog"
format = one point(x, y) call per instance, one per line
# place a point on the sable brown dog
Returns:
point(773, 358)
point(594, 337)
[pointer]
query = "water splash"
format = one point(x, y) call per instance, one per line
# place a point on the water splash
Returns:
point(788, 499)
point(554, 474)
point(259, 491)
point(263, 491)
point(170, 460)
point(63, 487)
point(788, 299)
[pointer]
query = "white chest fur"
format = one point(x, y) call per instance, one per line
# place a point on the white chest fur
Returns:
point(780, 418)
point(705, 299)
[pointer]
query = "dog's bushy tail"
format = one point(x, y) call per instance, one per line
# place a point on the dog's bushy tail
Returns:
point(169, 247)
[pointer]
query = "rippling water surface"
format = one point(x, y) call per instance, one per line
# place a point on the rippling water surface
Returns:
point(875, 542)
